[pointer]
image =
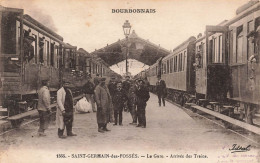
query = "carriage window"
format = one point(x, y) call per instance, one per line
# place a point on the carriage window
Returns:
point(8, 30)
point(171, 64)
point(47, 52)
point(250, 44)
point(184, 59)
point(41, 47)
point(218, 50)
point(34, 44)
point(164, 68)
point(180, 62)
point(168, 67)
point(239, 48)
point(52, 55)
point(175, 63)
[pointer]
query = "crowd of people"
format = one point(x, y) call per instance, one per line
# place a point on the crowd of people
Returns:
point(107, 100)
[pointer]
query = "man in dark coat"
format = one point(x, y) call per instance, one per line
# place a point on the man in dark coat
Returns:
point(126, 86)
point(103, 100)
point(161, 90)
point(96, 80)
point(88, 89)
point(132, 101)
point(112, 86)
point(119, 100)
point(143, 96)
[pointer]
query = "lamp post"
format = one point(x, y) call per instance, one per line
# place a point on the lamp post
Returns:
point(126, 29)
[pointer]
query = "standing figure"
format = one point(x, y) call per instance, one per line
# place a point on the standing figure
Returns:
point(161, 90)
point(132, 102)
point(96, 80)
point(126, 86)
point(64, 114)
point(89, 88)
point(119, 100)
point(143, 96)
point(147, 83)
point(103, 100)
point(44, 107)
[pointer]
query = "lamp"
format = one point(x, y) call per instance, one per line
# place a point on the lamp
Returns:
point(126, 29)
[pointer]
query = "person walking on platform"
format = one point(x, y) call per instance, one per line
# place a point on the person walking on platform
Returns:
point(143, 96)
point(161, 90)
point(64, 114)
point(44, 107)
point(119, 99)
point(132, 102)
point(88, 89)
point(103, 100)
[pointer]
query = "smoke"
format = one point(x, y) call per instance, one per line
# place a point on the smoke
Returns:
point(32, 8)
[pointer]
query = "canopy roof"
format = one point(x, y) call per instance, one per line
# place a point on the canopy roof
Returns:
point(139, 49)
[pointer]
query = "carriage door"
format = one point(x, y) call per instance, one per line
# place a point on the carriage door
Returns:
point(217, 67)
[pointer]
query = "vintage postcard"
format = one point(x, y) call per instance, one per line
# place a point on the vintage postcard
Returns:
point(130, 81)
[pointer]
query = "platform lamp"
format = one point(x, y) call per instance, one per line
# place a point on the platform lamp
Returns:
point(126, 29)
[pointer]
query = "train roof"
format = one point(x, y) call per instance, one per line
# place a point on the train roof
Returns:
point(241, 12)
point(38, 24)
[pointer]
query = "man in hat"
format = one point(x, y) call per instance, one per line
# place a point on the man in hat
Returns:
point(103, 100)
point(143, 96)
point(126, 86)
point(43, 107)
point(64, 114)
point(96, 80)
point(119, 98)
point(161, 90)
point(88, 89)
point(132, 101)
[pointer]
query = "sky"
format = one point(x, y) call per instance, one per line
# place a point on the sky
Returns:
point(90, 24)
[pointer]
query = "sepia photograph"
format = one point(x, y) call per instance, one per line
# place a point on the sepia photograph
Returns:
point(129, 81)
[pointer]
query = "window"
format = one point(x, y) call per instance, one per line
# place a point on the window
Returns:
point(175, 64)
point(184, 58)
point(239, 48)
point(250, 44)
point(41, 47)
point(220, 54)
point(52, 55)
point(168, 67)
point(171, 65)
point(47, 52)
point(34, 44)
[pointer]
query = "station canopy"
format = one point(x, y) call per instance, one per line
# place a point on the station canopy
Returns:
point(139, 49)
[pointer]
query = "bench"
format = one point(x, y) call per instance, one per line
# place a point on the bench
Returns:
point(233, 121)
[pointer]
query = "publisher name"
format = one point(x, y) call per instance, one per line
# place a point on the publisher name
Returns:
point(139, 11)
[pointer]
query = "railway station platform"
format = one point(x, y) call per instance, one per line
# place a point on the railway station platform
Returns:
point(171, 135)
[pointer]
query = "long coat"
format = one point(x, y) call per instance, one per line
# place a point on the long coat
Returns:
point(103, 100)
point(60, 101)
point(44, 99)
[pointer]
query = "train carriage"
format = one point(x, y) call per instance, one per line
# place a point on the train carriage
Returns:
point(29, 54)
point(178, 72)
point(226, 62)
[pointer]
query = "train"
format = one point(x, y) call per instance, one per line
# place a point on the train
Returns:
point(31, 52)
point(221, 67)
